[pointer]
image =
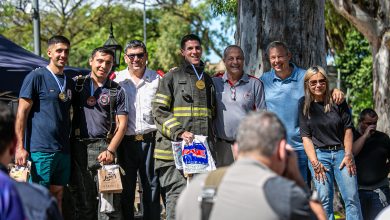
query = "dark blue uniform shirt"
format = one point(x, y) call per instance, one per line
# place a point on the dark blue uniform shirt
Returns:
point(94, 121)
point(48, 124)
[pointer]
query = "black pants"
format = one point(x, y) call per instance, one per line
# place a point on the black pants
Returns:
point(83, 182)
point(136, 156)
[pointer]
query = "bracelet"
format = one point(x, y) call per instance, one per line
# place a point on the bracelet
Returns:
point(112, 153)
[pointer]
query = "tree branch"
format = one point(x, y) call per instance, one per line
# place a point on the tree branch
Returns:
point(366, 24)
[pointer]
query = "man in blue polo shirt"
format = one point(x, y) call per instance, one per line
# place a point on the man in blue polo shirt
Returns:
point(43, 120)
point(284, 86)
point(98, 126)
point(237, 93)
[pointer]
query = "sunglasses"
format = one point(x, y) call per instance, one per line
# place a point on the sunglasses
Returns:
point(321, 82)
point(132, 56)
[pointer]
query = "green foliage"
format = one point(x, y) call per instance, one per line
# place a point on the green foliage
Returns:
point(355, 64)
point(336, 27)
point(87, 26)
point(225, 7)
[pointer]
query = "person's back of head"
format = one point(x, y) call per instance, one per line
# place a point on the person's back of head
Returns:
point(260, 132)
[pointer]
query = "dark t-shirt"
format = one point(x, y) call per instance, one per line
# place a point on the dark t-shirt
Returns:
point(48, 124)
point(371, 162)
point(325, 129)
point(94, 121)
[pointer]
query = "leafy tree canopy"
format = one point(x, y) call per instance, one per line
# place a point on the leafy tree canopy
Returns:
point(86, 24)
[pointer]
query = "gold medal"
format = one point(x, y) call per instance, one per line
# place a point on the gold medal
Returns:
point(91, 101)
point(62, 96)
point(200, 84)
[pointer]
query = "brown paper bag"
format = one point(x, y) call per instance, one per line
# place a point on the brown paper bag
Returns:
point(109, 179)
point(20, 173)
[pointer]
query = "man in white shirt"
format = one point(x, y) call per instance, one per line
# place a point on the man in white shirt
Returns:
point(137, 148)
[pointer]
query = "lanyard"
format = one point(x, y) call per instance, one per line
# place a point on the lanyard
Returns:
point(62, 88)
point(196, 72)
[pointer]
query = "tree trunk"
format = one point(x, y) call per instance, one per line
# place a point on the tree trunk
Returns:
point(372, 19)
point(299, 23)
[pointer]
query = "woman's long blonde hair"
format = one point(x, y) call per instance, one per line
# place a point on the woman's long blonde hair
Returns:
point(309, 98)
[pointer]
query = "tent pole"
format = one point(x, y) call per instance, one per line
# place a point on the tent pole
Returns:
point(36, 24)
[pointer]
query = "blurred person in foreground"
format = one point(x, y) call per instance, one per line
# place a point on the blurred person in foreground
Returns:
point(20, 201)
point(263, 183)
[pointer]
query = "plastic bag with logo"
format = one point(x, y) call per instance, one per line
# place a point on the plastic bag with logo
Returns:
point(197, 156)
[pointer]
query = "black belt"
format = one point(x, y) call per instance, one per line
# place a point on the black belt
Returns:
point(331, 147)
point(226, 141)
point(142, 137)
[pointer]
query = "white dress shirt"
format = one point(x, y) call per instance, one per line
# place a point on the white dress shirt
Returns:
point(139, 100)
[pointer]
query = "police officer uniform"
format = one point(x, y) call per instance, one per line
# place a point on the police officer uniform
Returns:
point(181, 104)
point(93, 124)
point(136, 150)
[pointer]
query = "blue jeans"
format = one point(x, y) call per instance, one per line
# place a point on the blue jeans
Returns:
point(347, 184)
point(371, 203)
point(302, 165)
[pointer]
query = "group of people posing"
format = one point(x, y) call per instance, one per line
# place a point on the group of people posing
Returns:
point(133, 118)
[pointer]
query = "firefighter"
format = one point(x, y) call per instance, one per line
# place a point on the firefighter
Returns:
point(183, 107)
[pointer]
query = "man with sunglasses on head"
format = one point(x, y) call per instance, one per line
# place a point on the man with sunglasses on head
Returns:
point(236, 92)
point(136, 150)
point(284, 86)
point(183, 107)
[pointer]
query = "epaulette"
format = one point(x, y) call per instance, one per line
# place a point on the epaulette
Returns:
point(219, 74)
point(80, 79)
point(174, 69)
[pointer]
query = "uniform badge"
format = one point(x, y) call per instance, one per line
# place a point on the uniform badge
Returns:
point(104, 99)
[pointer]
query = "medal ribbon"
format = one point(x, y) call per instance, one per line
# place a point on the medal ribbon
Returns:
point(92, 89)
point(62, 88)
point(196, 72)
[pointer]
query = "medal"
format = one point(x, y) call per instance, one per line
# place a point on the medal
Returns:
point(62, 96)
point(91, 101)
point(200, 84)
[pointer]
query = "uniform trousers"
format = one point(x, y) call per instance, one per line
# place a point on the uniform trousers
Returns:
point(172, 183)
point(83, 185)
point(136, 156)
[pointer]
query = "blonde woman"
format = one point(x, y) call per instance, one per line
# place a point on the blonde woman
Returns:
point(326, 130)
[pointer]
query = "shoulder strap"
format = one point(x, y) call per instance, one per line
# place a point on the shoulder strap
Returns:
point(209, 191)
point(113, 93)
point(77, 106)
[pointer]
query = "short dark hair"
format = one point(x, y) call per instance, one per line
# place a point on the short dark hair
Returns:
point(7, 127)
point(274, 44)
point(103, 50)
point(189, 37)
point(367, 111)
point(228, 48)
point(58, 39)
point(135, 44)
point(261, 132)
